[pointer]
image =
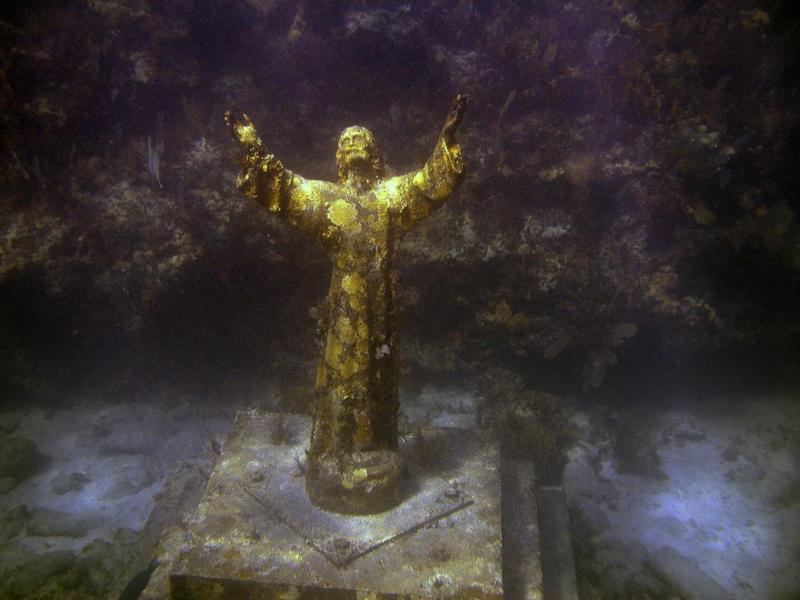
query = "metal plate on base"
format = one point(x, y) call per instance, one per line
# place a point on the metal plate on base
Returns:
point(256, 534)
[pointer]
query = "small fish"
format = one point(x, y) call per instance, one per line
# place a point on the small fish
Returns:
point(301, 468)
point(216, 447)
point(136, 585)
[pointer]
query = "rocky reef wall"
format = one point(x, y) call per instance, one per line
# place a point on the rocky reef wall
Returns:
point(630, 207)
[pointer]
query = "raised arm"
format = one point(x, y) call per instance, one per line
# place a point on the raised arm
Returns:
point(415, 195)
point(302, 202)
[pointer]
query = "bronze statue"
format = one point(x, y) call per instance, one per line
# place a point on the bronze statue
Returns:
point(353, 465)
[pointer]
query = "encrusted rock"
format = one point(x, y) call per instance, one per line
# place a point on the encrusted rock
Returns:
point(19, 457)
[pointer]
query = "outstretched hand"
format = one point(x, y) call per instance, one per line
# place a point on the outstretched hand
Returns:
point(244, 133)
point(453, 119)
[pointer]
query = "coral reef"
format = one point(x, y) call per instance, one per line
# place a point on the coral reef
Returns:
point(19, 458)
point(615, 177)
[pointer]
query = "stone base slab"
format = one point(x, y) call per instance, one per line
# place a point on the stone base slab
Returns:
point(256, 535)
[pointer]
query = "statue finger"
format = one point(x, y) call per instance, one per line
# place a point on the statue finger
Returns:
point(457, 109)
point(453, 106)
point(233, 125)
point(455, 113)
point(461, 104)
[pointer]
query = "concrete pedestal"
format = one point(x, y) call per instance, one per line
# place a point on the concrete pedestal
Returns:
point(256, 535)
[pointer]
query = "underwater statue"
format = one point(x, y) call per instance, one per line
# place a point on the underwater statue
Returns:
point(353, 465)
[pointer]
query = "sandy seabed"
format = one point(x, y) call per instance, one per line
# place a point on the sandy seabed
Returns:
point(703, 494)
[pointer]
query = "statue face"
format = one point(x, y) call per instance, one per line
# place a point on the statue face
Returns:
point(356, 144)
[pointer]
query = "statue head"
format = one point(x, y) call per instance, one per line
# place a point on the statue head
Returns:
point(357, 150)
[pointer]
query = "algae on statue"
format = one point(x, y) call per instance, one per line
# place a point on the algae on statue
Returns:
point(353, 465)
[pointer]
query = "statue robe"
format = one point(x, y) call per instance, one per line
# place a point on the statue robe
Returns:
point(356, 396)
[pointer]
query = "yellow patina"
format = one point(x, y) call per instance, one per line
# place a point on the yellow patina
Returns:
point(248, 135)
point(343, 214)
point(333, 350)
point(349, 367)
point(360, 474)
point(354, 284)
point(359, 221)
point(356, 287)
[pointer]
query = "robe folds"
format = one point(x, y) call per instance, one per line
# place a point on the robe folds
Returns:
point(356, 393)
